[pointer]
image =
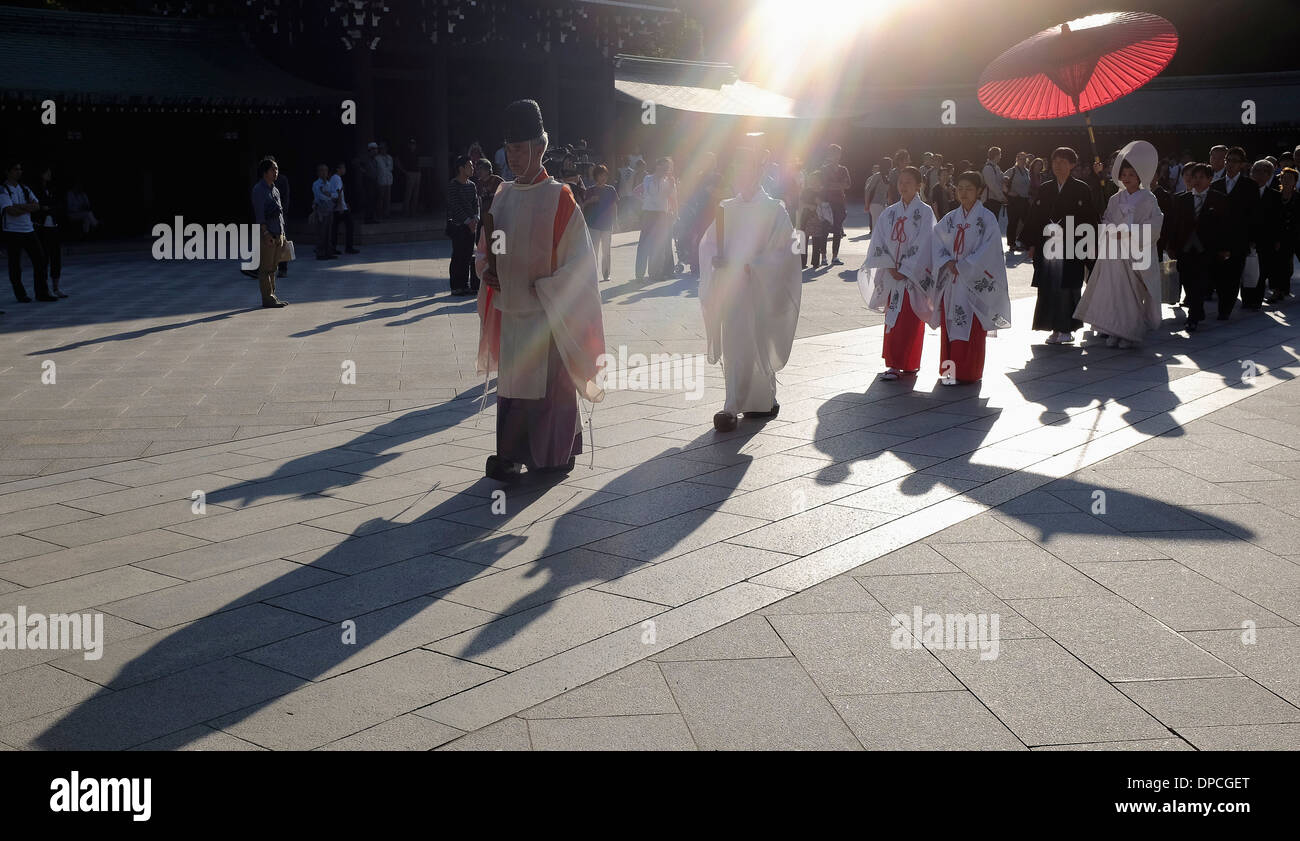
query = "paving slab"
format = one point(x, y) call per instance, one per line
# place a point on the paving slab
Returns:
point(755, 705)
point(954, 720)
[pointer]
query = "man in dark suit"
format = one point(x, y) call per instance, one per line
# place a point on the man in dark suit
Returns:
point(1243, 195)
point(1265, 232)
point(1059, 276)
point(1197, 239)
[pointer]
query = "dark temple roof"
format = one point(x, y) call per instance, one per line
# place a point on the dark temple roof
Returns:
point(122, 59)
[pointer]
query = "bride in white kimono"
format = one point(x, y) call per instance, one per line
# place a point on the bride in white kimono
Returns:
point(1122, 300)
point(896, 277)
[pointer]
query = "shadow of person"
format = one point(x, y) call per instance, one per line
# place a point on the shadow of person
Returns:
point(908, 451)
point(145, 331)
point(397, 577)
point(270, 640)
point(1144, 384)
point(636, 517)
point(378, 573)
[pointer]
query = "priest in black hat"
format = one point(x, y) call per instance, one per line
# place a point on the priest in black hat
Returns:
point(539, 309)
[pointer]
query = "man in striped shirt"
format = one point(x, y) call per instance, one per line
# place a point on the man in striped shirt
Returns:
point(462, 222)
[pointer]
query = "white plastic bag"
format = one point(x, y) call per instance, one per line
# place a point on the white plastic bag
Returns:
point(1250, 272)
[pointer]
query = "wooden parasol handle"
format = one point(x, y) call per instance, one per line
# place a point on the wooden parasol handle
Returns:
point(1087, 121)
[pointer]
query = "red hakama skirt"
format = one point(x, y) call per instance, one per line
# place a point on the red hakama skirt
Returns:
point(903, 342)
point(967, 357)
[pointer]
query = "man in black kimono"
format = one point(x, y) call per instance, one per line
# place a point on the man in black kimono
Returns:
point(1067, 202)
point(1196, 238)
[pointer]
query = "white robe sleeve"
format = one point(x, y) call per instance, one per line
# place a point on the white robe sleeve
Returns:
point(983, 273)
point(711, 303)
point(779, 291)
point(871, 283)
point(1148, 215)
point(571, 298)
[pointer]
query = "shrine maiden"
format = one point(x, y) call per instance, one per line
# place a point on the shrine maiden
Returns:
point(896, 277)
point(971, 295)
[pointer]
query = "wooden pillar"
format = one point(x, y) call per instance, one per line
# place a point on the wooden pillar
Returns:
point(605, 94)
point(441, 149)
point(551, 98)
point(364, 89)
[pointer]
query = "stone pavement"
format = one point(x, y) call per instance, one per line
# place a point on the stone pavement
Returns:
point(691, 589)
point(153, 358)
point(1119, 631)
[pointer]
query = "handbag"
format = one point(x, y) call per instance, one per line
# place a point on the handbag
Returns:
point(1169, 284)
point(286, 252)
point(1250, 271)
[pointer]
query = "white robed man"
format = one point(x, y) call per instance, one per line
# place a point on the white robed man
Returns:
point(896, 277)
point(539, 309)
point(750, 289)
point(1122, 299)
point(971, 288)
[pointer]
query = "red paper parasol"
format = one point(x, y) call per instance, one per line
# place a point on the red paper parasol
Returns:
point(1078, 66)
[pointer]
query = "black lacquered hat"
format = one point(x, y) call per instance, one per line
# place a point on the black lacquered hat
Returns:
point(523, 121)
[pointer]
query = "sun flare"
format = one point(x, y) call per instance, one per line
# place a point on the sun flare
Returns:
point(793, 43)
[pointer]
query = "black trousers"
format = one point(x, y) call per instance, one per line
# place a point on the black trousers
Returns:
point(463, 275)
point(994, 206)
point(839, 212)
point(1279, 279)
point(343, 219)
point(1017, 212)
point(815, 244)
point(1227, 282)
point(52, 244)
point(16, 243)
point(1196, 275)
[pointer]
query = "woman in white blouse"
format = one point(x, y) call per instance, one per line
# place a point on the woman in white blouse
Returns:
point(1122, 299)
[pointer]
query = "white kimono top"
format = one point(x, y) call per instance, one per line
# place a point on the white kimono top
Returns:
point(549, 292)
point(900, 240)
point(979, 287)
